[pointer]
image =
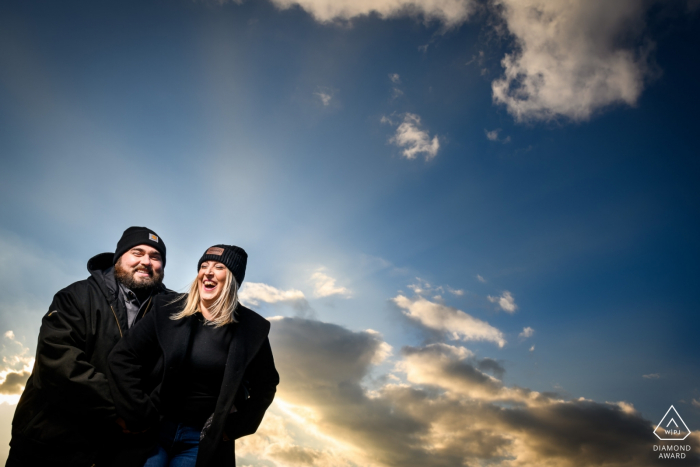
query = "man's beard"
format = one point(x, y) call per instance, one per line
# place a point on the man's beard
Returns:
point(141, 284)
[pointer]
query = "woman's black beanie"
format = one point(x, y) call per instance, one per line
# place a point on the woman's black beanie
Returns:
point(134, 236)
point(233, 257)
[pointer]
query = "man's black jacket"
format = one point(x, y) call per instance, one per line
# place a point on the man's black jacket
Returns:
point(249, 360)
point(66, 414)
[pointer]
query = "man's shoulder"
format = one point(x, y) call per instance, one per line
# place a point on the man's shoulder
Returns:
point(80, 297)
point(78, 288)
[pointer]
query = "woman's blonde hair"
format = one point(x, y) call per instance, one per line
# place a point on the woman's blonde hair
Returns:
point(224, 308)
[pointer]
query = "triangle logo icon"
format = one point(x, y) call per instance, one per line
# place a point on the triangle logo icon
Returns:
point(672, 427)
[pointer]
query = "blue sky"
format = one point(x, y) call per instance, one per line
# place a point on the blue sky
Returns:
point(504, 192)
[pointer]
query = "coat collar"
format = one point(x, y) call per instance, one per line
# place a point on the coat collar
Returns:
point(174, 335)
point(251, 331)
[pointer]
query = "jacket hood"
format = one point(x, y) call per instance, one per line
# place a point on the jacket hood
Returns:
point(101, 269)
point(100, 262)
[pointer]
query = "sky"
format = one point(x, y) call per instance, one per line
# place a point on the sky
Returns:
point(472, 223)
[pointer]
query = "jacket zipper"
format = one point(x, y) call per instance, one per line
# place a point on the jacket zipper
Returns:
point(117, 320)
point(148, 307)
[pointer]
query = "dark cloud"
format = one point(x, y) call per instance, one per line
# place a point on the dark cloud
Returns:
point(302, 309)
point(454, 415)
point(492, 366)
point(296, 455)
point(311, 353)
point(321, 365)
point(460, 431)
point(435, 364)
point(589, 433)
point(14, 382)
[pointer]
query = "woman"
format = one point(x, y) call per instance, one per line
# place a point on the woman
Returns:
point(198, 369)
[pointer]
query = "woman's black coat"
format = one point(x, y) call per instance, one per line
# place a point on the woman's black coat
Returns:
point(159, 344)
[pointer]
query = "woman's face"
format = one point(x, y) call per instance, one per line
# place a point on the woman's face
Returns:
point(211, 279)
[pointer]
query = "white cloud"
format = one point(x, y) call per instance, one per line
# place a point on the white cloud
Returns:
point(413, 138)
point(532, 349)
point(395, 90)
point(477, 59)
point(253, 293)
point(493, 136)
point(15, 368)
point(652, 376)
point(384, 350)
point(527, 332)
point(449, 12)
point(422, 287)
point(325, 98)
point(506, 302)
point(480, 279)
point(458, 324)
point(324, 285)
point(573, 57)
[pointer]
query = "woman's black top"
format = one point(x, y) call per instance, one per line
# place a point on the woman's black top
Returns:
point(202, 373)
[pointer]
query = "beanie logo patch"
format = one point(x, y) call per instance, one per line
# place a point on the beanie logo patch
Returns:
point(153, 237)
point(217, 251)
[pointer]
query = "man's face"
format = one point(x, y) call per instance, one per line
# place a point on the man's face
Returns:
point(140, 268)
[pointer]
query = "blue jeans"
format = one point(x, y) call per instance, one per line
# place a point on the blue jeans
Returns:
point(177, 446)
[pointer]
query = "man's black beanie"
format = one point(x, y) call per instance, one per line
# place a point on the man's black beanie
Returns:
point(134, 236)
point(233, 257)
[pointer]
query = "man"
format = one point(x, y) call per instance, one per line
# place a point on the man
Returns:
point(66, 415)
